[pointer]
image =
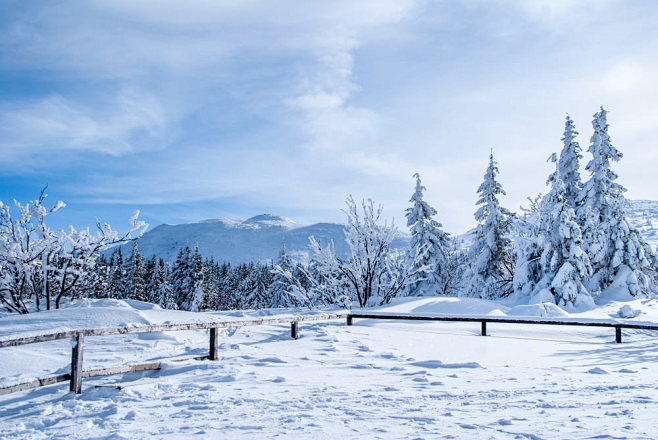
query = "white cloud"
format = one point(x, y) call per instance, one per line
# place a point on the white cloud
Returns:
point(56, 123)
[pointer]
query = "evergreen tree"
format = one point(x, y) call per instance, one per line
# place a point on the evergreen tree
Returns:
point(194, 300)
point(278, 289)
point(564, 265)
point(490, 268)
point(615, 249)
point(116, 285)
point(568, 163)
point(181, 277)
point(135, 271)
point(427, 250)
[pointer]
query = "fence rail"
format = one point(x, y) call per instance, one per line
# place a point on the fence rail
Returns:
point(77, 373)
point(485, 320)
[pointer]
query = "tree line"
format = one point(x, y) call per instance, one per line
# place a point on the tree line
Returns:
point(567, 247)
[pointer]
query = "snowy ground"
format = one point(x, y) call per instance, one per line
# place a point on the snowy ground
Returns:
point(376, 379)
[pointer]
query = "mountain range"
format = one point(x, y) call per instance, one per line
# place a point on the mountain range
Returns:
point(261, 237)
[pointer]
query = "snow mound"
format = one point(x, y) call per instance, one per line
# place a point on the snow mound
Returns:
point(444, 306)
point(628, 312)
point(543, 310)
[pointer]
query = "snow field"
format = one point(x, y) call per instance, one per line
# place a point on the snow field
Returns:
point(376, 379)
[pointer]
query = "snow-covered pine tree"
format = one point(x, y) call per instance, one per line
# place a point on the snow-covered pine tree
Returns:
point(427, 249)
point(135, 275)
point(278, 290)
point(618, 254)
point(565, 267)
point(491, 261)
point(165, 292)
point(117, 283)
point(195, 299)
point(568, 164)
point(181, 276)
point(528, 247)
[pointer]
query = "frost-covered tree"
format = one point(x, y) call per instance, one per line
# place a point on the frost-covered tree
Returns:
point(282, 271)
point(194, 298)
point(565, 267)
point(568, 164)
point(528, 247)
point(427, 249)
point(491, 262)
point(39, 265)
point(617, 252)
point(371, 270)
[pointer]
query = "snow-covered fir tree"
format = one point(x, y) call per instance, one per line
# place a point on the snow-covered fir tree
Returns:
point(528, 247)
point(565, 267)
point(194, 298)
point(617, 252)
point(427, 249)
point(568, 164)
point(282, 271)
point(491, 262)
point(182, 279)
point(136, 277)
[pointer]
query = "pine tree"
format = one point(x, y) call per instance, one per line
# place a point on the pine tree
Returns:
point(135, 274)
point(564, 265)
point(194, 300)
point(279, 288)
point(427, 250)
point(490, 268)
point(116, 284)
point(568, 163)
point(181, 277)
point(615, 249)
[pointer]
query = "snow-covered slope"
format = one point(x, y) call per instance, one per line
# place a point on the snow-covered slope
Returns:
point(255, 239)
point(643, 215)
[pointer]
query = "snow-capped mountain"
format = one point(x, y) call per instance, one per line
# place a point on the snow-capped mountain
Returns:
point(255, 239)
point(260, 238)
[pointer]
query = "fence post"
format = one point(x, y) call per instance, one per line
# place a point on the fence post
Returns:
point(76, 365)
point(349, 319)
point(484, 328)
point(293, 329)
point(618, 334)
point(212, 354)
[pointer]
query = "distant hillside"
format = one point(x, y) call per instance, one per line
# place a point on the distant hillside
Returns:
point(256, 239)
point(260, 238)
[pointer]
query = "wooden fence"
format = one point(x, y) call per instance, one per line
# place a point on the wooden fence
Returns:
point(77, 374)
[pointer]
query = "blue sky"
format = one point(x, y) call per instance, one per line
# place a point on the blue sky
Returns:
point(205, 109)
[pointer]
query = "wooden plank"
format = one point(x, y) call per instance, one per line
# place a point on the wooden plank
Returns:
point(76, 365)
point(618, 334)
point(349, 319)
point(169, 327)
point(212, 352)
point(36, 383)
point(484, 328)
point(294, 330)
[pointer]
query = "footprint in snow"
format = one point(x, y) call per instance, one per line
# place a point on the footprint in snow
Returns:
point(626, 370)
point(597, 370)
